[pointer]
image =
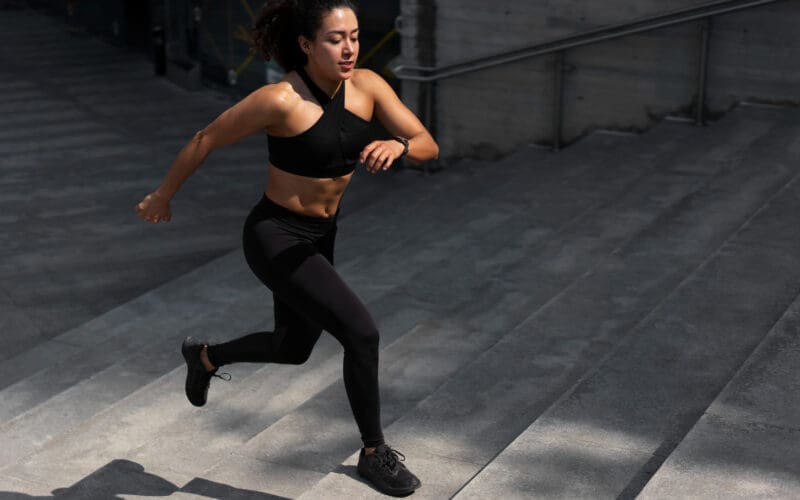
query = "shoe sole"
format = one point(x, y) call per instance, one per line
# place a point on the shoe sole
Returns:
point(388, 490)
point(186, 351)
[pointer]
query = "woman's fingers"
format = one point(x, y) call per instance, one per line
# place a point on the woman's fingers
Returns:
point(366, 151)
point(152, 212)
point(377, 156)
point(377, 159)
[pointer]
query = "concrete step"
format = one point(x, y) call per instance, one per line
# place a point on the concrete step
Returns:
point(166, 454)
point(495, 251)
point(745, 444)
point(601, 306)
point(331, 350)
point(389, 229)
point(170, 306)
point(104, 350)
point(254, 400)
point(618, 422)
point(106, 355)
point(107, 379)
point(558, 188)
point(263, 446)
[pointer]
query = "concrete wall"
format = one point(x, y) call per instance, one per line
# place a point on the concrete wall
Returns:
point(623, 84)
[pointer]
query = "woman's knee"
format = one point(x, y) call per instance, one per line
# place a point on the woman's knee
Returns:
point(362, 337)
point(295, 344)
point(296, 358)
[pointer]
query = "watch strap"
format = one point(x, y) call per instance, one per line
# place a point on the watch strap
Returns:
point(404, 142)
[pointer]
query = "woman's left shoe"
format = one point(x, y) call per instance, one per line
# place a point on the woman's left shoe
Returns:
point(197, 377)
point(385, 470)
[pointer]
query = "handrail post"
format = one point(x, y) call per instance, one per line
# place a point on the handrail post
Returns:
point(429, 89)
point(558, 98)
point(430, 106)
point(702, 71)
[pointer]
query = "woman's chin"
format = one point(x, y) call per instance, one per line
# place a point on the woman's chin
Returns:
point(346, 71)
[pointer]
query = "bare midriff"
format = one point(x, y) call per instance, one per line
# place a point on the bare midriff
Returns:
point(306, 195)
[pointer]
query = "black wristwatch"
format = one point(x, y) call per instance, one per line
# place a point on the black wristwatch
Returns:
point(404, 142)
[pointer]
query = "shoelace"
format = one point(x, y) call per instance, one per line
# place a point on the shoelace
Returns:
point(224, 376)
point(390, 457)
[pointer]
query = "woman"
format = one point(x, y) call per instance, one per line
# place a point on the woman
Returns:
point(317, 125)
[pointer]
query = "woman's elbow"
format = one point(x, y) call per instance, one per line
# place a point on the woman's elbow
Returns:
point(201, 145)
point(205, 141)
point(426, 150)
point(432, 149)
point(435, 151)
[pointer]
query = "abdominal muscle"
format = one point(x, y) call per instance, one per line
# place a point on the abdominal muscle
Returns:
point(306, 195)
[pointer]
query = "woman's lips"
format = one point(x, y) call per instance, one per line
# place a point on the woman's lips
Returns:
point(346, 65)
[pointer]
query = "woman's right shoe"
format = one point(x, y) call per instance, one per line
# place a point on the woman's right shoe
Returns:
point(385, 470)
point(197, 377)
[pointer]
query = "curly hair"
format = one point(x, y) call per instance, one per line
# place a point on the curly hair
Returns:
point(280, 22)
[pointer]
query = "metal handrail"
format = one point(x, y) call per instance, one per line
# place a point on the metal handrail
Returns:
point(404, 72)
point(559, 46)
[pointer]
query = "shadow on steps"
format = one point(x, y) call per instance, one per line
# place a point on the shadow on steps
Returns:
point(124, 477)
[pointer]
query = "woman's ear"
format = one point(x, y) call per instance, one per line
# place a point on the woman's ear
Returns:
point(305, 44)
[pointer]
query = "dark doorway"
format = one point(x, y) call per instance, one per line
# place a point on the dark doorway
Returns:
point(138, 17)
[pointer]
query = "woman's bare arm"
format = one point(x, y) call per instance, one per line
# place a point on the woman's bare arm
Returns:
point(399, 121)
point(257, 111)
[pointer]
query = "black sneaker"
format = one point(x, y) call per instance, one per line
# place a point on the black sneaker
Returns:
point(386, 472)
point(197, 377)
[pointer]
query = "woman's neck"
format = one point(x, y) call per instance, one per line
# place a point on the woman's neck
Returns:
point(330, 87)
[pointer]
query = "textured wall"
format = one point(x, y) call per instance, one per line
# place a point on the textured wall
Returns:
point(623, 84)
point(418, 44)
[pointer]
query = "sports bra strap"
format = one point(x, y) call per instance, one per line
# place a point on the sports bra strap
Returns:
point(322, 98)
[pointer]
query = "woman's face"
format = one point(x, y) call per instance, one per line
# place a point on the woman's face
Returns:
point(334, 51)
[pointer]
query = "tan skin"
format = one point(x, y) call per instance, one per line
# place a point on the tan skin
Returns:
point(288, 108)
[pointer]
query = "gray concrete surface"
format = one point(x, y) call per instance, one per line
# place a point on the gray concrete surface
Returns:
point(600, 306)
point(552, 325)
point(611, 430)
point(745, 444)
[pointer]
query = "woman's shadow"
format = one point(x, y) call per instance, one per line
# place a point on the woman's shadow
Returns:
point(123, 477)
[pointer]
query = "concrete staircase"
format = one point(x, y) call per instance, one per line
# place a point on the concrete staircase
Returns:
point(617, 320)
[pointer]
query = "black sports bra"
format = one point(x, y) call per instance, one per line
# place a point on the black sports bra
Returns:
point(330, 148)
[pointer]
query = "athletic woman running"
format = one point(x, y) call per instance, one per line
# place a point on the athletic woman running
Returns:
point(317, 121)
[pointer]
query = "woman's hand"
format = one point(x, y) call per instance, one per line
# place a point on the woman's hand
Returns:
point(154, 208)
point(379, 155)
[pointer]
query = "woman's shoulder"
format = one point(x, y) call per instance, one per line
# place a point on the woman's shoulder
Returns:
point(281, 96)
point(365, 78)
point(372, 83)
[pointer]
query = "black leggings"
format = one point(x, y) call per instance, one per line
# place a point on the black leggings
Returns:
point(292, 254)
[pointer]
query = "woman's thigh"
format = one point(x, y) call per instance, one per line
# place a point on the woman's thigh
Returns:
point(315, 291)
